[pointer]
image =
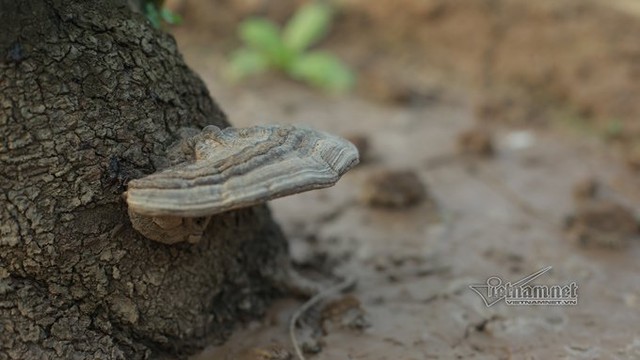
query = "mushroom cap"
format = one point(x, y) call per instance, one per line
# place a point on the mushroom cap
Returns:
point(235, 168)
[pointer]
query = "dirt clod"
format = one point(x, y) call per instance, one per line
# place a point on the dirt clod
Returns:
point(585, 190)
point(340, 306)
point(598, 220)
point(395, 88)
point(393, 189)
point(602, 223)
point(476, 142)
point(632, 158)
point(344, 312)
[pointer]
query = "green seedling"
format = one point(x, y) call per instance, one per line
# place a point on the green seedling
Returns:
point(159, 15)
point(266, 46)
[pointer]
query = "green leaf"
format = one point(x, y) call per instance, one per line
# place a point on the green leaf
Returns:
point(152, 14)
point(245, 62)
point(170, 17)
point(264, 35)
point(324, 71)
point(309, 24)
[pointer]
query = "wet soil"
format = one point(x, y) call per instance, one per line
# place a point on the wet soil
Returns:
point(501, 215)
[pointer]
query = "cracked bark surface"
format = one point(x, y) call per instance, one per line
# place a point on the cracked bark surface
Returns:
point(91, 96)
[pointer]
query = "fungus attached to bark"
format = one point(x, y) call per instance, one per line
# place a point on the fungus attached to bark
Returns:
point(221, 170)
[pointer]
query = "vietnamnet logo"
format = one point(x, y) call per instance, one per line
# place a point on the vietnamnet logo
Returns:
point(521, 292)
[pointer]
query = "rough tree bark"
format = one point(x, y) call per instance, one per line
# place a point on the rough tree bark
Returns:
point(90, 96)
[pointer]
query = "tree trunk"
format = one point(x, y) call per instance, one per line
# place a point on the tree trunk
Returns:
point(91, 96)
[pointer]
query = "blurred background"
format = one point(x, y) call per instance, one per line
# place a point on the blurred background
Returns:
point(497, 137)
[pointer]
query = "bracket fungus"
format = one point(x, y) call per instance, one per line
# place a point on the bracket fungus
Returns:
point(218, 170)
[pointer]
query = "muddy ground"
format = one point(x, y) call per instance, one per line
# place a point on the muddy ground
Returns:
point(499, 215)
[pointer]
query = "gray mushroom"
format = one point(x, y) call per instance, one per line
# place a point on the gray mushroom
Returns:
point(220, 170)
